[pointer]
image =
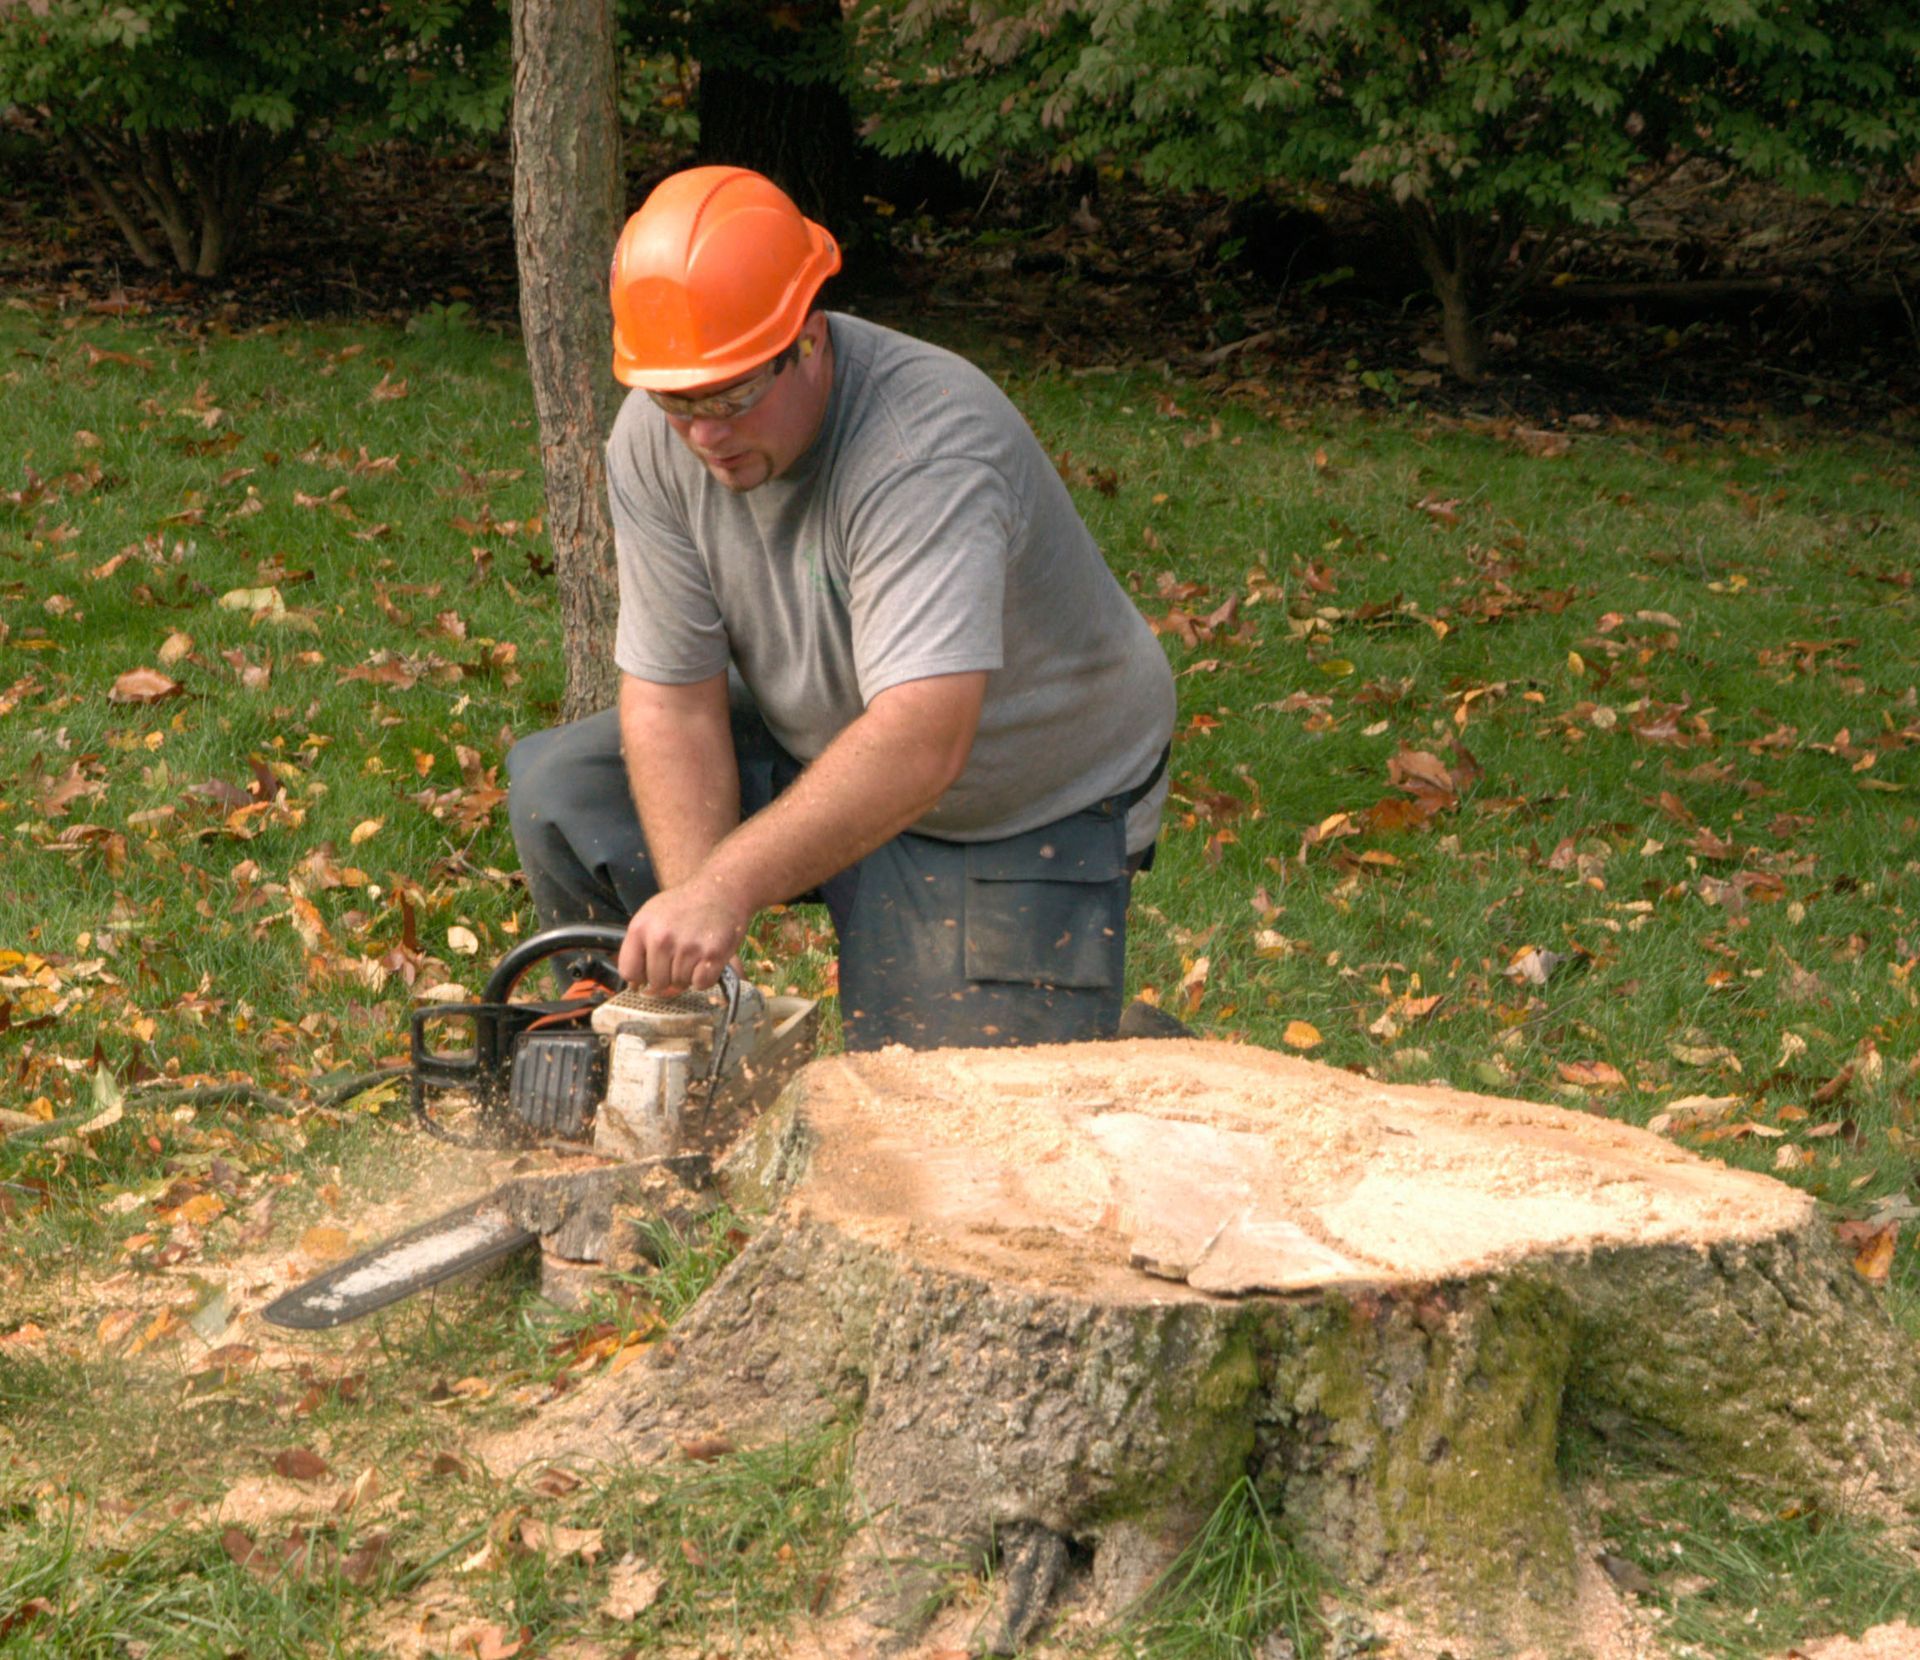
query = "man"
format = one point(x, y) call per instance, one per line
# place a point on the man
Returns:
point(868, 652)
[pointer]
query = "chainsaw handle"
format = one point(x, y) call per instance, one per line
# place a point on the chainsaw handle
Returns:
point(603, 937)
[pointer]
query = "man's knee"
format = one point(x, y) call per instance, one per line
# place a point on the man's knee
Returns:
point(554, 775)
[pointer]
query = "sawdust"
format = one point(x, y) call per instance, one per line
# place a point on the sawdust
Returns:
point(1898, 1641)
point(115, 1311)
point(1233, 1169)
point(1606, 1626)
point(260, 1501)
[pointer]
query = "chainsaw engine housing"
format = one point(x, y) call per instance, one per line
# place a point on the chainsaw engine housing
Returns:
point(611, 1070)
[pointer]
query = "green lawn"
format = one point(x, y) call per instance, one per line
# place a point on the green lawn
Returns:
point(1579, 766)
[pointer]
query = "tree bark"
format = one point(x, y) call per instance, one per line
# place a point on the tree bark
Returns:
point(566, 216)
point(1450, 254)
point(1075, 1295)
point(75, 145)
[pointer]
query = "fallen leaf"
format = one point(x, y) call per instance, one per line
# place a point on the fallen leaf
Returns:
point(1301, 1034)
point(24, 1615)
point(1836, 1086)
point(266, 603)
point(142, 686)
point(301, 1464)
point(1592, 1075)
point(1533, 966)
point(553, 1540)
point(325, 1244)
point(487, 1642)
point(365, 1488)
point(365, 831)
point(1419, 770)
point(462, 942)
point(633, 1586)
point(1873, 1256)
point(1691, 1112)
point(198, 1211)
point(704, 1449)
point(244, 1553)
point(115, 1326)
point(361, 1564)
point(1193, 985)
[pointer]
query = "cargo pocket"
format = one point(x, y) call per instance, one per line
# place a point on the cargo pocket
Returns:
point(1048, 908)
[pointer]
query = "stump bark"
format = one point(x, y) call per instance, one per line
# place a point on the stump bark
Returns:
point(1073, 1294)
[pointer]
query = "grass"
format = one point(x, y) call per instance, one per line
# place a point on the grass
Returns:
point(1575, 766)
point(1239, 1583)
point(1742, 1581)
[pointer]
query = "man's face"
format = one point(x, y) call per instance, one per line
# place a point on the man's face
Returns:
point(742, 451)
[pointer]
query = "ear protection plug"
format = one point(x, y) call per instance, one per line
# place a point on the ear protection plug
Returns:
point(806, 348)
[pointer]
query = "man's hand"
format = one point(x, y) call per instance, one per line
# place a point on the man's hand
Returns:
point(682, 938)
point(884, 770)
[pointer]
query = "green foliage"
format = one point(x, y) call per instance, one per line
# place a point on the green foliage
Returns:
point(172, 66)
point(1474, 120)
point(177, 113)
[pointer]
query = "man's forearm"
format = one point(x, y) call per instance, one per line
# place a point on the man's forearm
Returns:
point(677, 742)
point(878, 777)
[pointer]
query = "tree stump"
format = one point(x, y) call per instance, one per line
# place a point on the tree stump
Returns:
point(1074, 1293)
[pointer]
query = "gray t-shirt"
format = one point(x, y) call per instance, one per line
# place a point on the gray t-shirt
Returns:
point(924, 532)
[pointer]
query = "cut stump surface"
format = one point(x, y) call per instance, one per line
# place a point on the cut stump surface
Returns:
point(1073, 1294)
point(1123, 1167)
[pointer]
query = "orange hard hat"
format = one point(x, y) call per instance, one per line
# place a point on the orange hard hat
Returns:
point(712, 277)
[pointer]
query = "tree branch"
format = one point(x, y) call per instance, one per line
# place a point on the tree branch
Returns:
point(109, 198)
point(157, 157)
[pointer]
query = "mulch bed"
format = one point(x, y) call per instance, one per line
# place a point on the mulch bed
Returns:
point(1277, 303)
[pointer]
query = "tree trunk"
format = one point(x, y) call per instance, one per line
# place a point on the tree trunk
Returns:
point(1451, 255)
point(566, 217)
point(772, 98)
point(1076, 1294)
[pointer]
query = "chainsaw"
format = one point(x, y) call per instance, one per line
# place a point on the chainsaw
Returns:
point(628, 1094)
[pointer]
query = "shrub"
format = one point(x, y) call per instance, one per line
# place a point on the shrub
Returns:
point(1484, 126)
point(176, 113)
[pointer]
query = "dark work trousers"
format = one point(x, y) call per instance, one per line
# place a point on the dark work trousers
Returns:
point(942, 944)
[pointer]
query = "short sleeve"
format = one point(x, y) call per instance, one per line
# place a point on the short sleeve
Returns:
point(927, 573)
point(670, 629)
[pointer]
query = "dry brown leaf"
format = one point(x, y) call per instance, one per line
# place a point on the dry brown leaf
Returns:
point(633, 1586)
point(115, 1326)
point(301, 1464)
point(1301, 1034)
point(326, 1244)
point(142, 686)
point(198, 1211)
point(1873, 1260)
point(244, 1553)
point(704, 1449)
point(1597, 1075)
point(553, 1540)
point(1193, 985)
point(488, 1642)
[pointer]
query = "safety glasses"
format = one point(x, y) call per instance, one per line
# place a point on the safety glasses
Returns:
point(730, 402)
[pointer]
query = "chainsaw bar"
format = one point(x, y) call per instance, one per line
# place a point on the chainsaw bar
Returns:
point(477, 1233)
